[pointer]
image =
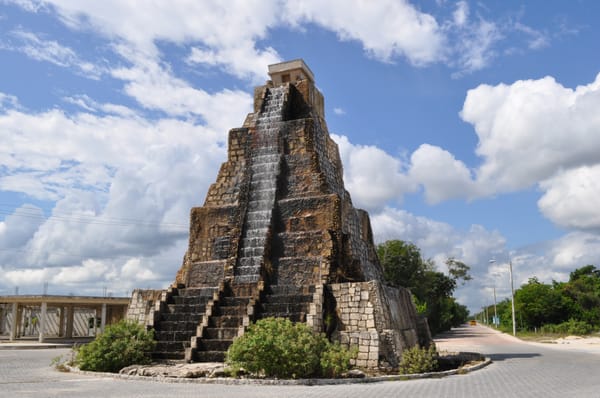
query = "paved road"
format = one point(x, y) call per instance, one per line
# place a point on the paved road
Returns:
point(519, 370)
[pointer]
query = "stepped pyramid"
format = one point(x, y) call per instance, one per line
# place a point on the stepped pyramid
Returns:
point(278, 236)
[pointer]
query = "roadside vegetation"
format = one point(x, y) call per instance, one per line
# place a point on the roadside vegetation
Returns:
point(554, 309)
point(432, 289)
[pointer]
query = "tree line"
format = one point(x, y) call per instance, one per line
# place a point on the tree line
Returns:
point(571, 307)
point(431, 289)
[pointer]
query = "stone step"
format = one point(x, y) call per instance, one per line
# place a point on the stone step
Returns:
point(169, 346)
point(290, 290)
point(198, 292)
point(285, 308)
point(225, 321)
point(173, 335)
point(190, 300)
point(263, 185)
point(252, 251)
point(263, 194)
point(288, 298)
point(234, 301)
point(251, 261)
point(214, 344)
point(162, 355)
point(260, 204)
point(180, 317)
point(246, 278)
point(232, 310)
point(248, 270)
point(209, 356)
point(294, 316)
point(220, 333)
point(186, 308)
point(268, 176)
point(170, 326)
point(256, 230)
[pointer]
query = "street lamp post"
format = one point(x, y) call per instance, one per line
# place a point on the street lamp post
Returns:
point(512, 295)
point(495, 311)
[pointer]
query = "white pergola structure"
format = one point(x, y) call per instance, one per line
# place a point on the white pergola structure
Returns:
point(108, 309)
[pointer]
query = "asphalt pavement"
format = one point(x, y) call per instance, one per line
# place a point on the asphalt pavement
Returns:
point(519, 369)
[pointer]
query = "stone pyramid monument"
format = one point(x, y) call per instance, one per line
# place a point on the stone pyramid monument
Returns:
point(278, 236)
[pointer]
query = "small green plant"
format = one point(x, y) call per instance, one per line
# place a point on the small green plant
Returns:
point(419, 360)
point(335, 359)
point(122, 344)
point(277, 347)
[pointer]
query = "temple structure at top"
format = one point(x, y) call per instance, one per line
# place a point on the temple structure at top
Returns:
point(278, 236)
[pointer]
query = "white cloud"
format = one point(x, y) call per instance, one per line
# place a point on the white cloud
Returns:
point(227, 31)
point(571, 198)
point(537, 39)
point(51, 51)
point(461, 13)
point(339, 111)
point(386, 29)
point(532, 129)
point(371, 175)
point(442, 176)
point(8, 101)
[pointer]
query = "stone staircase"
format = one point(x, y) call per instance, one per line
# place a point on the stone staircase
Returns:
point(286, 301)
point(183, 312)
point(229, 314)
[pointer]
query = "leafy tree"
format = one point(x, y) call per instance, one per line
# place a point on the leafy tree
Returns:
point(432, 290)
point(458, 270)
point(583, 289)
point(540, 303)
point(402, 263)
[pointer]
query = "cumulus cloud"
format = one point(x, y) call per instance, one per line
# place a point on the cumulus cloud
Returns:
point(441, 174)
point(387, 29)
point(571, 198)
point(372, 176)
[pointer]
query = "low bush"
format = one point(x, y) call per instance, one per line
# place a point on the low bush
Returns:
point(419, 360)
point(277, 347)
point(570, 327)
point(121, 344)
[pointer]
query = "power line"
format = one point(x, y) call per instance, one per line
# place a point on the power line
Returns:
point(96, 220)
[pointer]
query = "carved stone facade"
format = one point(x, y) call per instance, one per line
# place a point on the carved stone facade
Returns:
point(278, 236)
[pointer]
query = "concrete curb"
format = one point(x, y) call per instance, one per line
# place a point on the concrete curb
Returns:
point(33, 346)
point(286, 382)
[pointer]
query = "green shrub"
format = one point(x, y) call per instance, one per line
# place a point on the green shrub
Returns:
point(277, 347)
point(419, 360)
point(122, 344)
point(335, 359)
point(570, 327)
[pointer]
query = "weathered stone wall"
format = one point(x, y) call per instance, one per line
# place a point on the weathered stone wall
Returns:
point(142, 305)
point(380, 320)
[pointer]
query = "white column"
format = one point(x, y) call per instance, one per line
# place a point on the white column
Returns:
point(43, 322)
point(13, 326)
point(103, 318)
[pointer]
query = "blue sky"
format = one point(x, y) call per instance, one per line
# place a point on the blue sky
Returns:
point(469, 128)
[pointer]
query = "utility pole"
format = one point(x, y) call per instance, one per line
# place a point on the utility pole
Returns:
point(512, 294)
point(496, 321)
